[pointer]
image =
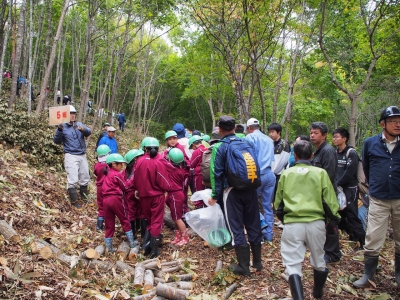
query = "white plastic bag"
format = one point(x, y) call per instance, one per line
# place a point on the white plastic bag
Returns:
point(202, 195)
point(209, 223)
point(341, 196)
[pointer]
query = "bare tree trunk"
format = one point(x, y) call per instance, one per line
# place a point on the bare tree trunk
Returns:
point(51, 60)
point(277, 86)
point(4, 46)
point(18, 50)
point(30, 67)
point(48, 34)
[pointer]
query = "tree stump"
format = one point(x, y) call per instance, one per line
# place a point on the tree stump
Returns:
point(139, 276)
point(123, 251)
point(148, 280)
point(170, 292)
point(8, 232)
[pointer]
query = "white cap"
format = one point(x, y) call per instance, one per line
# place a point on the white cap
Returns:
point(110, 128)
point(252, 121)
point(72, 109)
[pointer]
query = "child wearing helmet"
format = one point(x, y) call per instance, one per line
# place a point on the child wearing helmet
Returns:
point(133, 204)
point(176, 200)
point(195, 143)
point(151, 182)
point(171, 138)
point(103, 151)
point(114, 189)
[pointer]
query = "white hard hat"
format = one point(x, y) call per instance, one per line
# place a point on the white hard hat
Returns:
point(72, 109)
point(252, 121)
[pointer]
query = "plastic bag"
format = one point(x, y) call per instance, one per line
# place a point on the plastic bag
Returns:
point(202, 195)
point(209, 224)
point(341, 198)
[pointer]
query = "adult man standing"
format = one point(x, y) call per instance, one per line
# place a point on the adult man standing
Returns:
point(72, 136)
point(346, 177)
point(240, 206)
point(110, 140)
point(325, 158)
point(265, 155)
point(304, 197)
point(121, 121)
point(381, 162)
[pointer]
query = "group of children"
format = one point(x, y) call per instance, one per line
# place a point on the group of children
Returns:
point(137, 194)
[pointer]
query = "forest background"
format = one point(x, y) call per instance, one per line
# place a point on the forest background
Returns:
point(161, 62)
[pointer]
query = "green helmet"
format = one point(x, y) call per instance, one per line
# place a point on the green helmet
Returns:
point(176, 155)
point(170, 133)
point(189, 135)
point(130, 155)
point(115, 157)
point(144, 141)
point(151, 142)
point(103, 150)
point(193, 139)
point(206, 138)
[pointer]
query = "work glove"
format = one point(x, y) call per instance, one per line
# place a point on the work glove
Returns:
point(60, 127)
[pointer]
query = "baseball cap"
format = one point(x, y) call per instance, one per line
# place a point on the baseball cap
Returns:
point(252, 121)
point(226, 122)
point(111, 129)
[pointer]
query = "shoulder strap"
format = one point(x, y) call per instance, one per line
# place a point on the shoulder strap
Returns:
point(348, 152)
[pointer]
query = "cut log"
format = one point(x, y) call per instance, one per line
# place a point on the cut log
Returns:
point(168, 219)
point(170, 292)
point(183, 285)
point(133, 253)
point(123, 267)
point(172, 269)
point(159, 298)
point(171, 263)
point(123, 251)
point(184, 277)
point(139, 276)
point(157, 280)
point(98, 264)
point(148, 296)
point(145, 262)
point(159, 274)
point(153, 265)
point(229, 290)
point(45, 252)
point(8, 232)
point(100, 249)
point(89, 254)
point(148, 280)
point(285, 277)
point(218, 267)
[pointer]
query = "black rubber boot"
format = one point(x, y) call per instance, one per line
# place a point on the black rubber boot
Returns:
point(243, 257)
point(154, 241)
point(138, 223)
point(397, 268)
point(73, 198)
point(143, 227)
point(83, 191)
point(100, 223)
point(296, 288)
point(257, 263)
point(370, 265)
point(319, 282)
point(133, 226)
point(146, 243)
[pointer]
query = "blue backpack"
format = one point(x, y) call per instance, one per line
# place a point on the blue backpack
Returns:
point(242, 169)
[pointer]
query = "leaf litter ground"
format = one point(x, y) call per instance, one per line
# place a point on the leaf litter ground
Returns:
point(35, 203)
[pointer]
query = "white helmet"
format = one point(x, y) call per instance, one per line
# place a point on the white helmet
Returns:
point(72, 109)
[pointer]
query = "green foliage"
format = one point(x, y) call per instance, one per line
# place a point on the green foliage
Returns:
point(30, 135)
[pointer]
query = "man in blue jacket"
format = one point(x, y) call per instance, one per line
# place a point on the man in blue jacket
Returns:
point(72, 136)
point(121, 121)
point(381, 163)
point(110, 140)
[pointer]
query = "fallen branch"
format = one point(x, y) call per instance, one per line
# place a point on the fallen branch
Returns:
point(218, 267)
point(8, 232)
point(229, 290)
point(172, 269)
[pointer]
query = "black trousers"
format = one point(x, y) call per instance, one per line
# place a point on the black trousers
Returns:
point(349, 221)
point(241, 211)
